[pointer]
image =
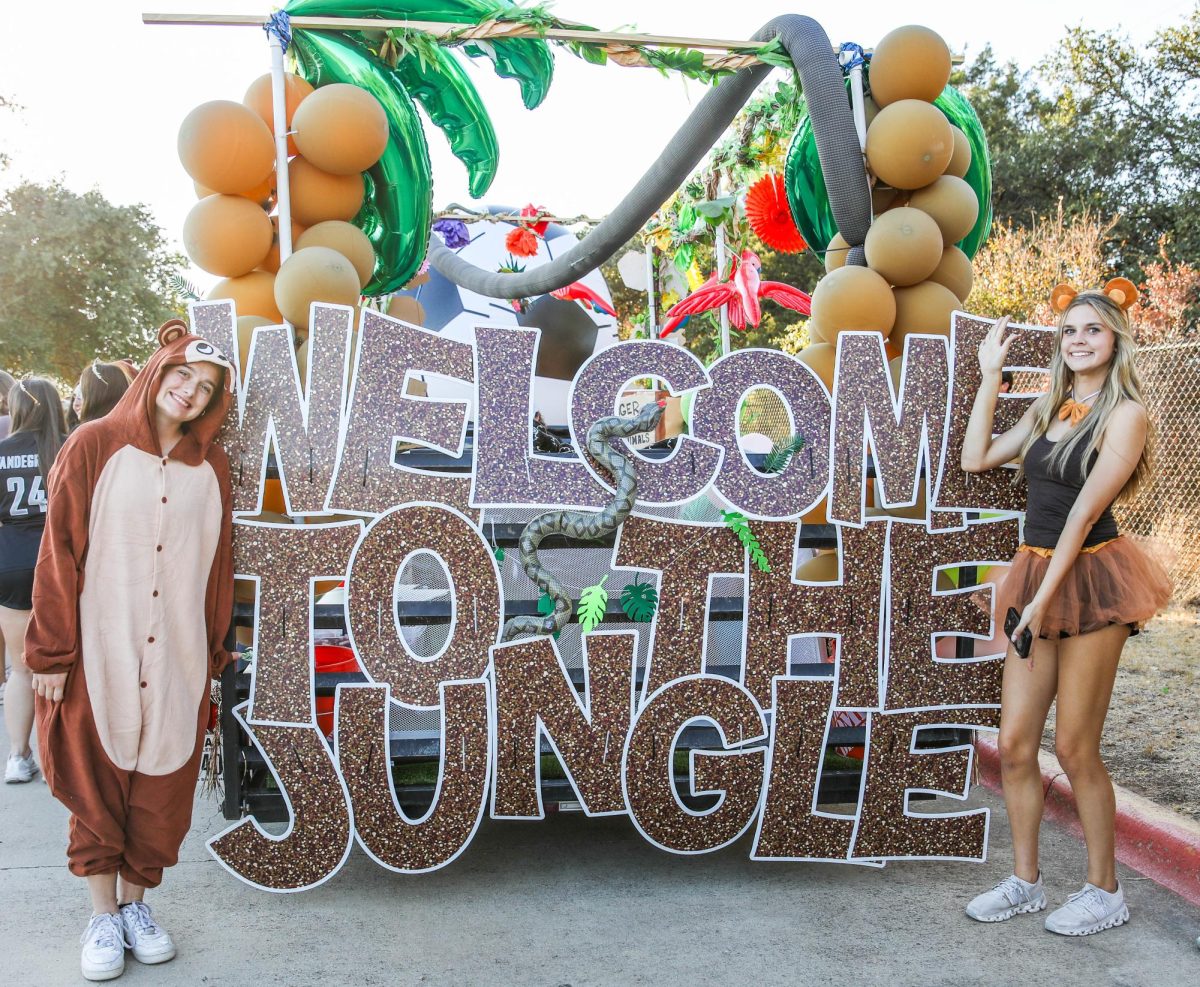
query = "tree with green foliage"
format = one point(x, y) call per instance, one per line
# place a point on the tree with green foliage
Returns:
point(1110, 128)
point(79, 277)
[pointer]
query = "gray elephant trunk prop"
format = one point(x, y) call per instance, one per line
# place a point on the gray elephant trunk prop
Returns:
point(837, 147)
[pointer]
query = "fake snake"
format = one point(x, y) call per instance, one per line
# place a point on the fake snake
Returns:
point(582, 525)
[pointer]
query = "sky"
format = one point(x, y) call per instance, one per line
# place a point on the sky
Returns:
point(102, 95)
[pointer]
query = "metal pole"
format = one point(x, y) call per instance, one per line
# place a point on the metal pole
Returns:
point(279, 107)
point(651, 327)
point(724, 313)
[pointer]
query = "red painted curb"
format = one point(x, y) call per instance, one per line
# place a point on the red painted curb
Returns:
point(1161, 844)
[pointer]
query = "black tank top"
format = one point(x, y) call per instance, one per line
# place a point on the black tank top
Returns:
point(1051, 498)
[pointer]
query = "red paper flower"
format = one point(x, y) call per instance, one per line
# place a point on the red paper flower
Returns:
point(539, 228)
point(521, 242)
point(771, 217)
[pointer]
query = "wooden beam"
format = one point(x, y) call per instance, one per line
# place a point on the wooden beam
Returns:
point(444, 30)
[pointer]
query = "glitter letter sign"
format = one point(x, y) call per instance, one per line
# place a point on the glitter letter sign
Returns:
point(727, 668)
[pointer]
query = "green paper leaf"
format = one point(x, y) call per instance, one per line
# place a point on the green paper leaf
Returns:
point(592, 605)
point(545, 607)
point(737, 523)
point(639, 601)
point(781, 454)
point(499, 553)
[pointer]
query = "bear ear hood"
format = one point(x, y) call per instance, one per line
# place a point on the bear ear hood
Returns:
point(135, 412)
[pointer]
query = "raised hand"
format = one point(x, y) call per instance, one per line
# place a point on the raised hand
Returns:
point(993, 351)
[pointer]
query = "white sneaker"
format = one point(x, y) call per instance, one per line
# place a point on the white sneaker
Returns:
point(150, 942)
point(1010, 897)
point(103, 956)
point(20, 768)
point(1090, 909)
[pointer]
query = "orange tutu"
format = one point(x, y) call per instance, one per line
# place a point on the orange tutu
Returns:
point(1119, 583)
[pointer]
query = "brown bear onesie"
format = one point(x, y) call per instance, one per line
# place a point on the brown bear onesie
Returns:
point(132, 597)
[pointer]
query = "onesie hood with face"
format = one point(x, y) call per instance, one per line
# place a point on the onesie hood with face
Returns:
point(135, 412)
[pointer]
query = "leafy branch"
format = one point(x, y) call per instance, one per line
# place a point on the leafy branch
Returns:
point(737, 523)
point(781, 453)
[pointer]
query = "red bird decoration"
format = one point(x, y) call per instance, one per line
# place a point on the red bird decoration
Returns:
point(740, 295)
point(577, 291)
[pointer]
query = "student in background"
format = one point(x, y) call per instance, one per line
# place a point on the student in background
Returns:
point(38, 431)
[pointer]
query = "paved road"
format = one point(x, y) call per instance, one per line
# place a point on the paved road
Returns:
point(584, 902)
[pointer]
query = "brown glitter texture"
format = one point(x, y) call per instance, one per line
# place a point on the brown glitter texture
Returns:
point(598, 385)
point(789, 827)
point(285, 558)
point(801, 484)
point(778, 607)
point(993, 490)
point(507, 473)
point(863, 406)
point(380, 414)
point(686, 555)
point(533, 689)
point(216, 322)
point(317, 841)
point(305, 431)
point(370, 601)
point(915, 679)
point(886, 830)
point(391, 838)
point(649, 752)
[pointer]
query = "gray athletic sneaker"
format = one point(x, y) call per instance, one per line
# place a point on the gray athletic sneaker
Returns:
point(1010, 897)
point(1090, 909)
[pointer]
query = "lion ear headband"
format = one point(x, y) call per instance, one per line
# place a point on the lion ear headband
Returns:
point(1122, 291)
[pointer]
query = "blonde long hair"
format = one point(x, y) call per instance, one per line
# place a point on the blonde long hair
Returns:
point(1121, 384)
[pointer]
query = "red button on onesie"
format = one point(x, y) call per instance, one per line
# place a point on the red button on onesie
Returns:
point(132, 596)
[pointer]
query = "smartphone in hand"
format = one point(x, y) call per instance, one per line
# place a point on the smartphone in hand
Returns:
point(1025, 642)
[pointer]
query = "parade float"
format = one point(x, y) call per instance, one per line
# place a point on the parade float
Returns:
point(479, 575)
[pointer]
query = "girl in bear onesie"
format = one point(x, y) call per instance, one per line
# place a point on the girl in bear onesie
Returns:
point(131, 603)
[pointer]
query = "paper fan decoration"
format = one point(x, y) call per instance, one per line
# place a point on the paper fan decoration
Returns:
point(771, 217)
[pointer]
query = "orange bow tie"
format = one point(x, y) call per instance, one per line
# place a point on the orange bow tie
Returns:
point(1075, 410)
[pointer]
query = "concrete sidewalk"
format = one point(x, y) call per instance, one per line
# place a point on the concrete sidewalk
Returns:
point(586, 901)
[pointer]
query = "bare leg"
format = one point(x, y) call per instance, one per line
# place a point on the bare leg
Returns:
point(103, 889)
point(131, 892)
point(18, 695)
point(1087, 669)
point(1027, 691)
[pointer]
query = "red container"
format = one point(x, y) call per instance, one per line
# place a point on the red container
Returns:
point(331, 658)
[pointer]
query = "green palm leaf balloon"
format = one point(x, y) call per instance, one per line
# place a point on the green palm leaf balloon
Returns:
point(398, 204)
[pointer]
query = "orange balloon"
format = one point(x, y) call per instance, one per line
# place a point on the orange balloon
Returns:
point(909, 144)
point(263, 194)
point(855, 298)
point(314, 274)
point(252, 294)
point(835, 253)
point(273, 497)
point(923, 308)
point(271, 261)
point(960, 161)
point(318, 195)
point(226, 147)
point(341, 129)
point(820, 358)
point(258, 97)
point(816, 515)
point(246, 324)
point(891, 349)
point(227, 235)
point(348, 240)
point(955, 272)
point(407, 308)
point(911, 62)
point(952, 204)
point(816, 334)
point(903, 245)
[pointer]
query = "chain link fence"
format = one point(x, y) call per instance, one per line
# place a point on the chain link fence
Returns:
point(1168, 509)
